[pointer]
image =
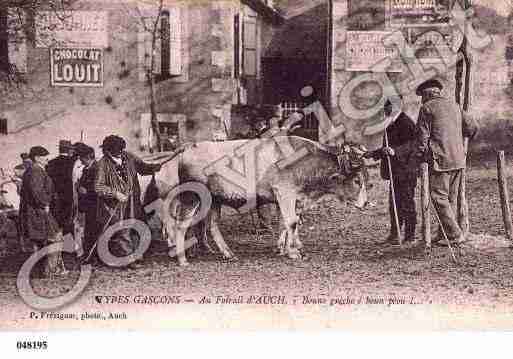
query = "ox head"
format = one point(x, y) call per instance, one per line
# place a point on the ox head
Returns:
point(352, 177)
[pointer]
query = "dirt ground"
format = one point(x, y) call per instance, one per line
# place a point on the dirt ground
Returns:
point(345, 257)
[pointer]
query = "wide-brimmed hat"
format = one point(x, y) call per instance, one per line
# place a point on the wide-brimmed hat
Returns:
point(113, 143)
point(431, 83)
point(38, 151)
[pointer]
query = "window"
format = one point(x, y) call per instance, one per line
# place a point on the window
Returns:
point(4, 42)
point(13, 47)
point(168, 46)
point(3, 126)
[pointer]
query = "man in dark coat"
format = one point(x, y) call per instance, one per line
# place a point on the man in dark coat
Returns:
point(401, 133)
point(87, 197)
point(118, 189)
point(442, 127)
point(37, 200)
point(60, 170)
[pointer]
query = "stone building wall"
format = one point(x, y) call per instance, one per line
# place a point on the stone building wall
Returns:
point(39, 114)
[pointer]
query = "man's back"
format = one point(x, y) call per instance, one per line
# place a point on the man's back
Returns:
point(440, 128)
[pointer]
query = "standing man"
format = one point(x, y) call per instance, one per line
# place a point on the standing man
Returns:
point(36, 218)
point(401, 134)
point(118, 189)
point(442, 127)
point(87, 198)
point(60, 170)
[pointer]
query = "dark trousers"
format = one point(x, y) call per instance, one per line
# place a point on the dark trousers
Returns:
point(404, 188)
point(445, 192)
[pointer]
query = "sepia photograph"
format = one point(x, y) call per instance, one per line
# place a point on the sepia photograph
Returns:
point(255, 165)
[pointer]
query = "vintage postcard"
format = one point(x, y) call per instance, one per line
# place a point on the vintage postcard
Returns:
point(255, 164)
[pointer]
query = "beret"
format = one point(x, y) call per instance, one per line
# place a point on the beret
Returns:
point(428, 84)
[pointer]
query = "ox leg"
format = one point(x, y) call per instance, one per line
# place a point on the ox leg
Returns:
point(178, 229)
point(217, 236)
point(200, 231)
point(289, 237)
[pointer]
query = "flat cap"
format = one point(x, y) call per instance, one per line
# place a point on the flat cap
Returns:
point(38, 151)
point(431, 83)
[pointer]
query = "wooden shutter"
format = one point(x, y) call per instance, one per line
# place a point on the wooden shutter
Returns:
point(236, 46)
point(175, 44)
point(144, 48)
point(250, 43)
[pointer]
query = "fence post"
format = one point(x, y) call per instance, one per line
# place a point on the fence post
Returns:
point(504, 194)
point(425, 200)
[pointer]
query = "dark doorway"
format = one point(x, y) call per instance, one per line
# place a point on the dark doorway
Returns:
point(284, 79)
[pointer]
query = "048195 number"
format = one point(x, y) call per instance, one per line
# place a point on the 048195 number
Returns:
point(32, 345)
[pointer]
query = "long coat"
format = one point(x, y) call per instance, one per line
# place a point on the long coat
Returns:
point(400, 134)
point(60, 170)
point(88, 203)
point(37, 192)
point(441, 128)
point(111, 178)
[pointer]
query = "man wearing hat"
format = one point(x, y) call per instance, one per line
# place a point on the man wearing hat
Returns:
point(400, 133)
point(118, 189)
point(60, 170)
point(441, 129)
point(87, 197)
point(36, 219)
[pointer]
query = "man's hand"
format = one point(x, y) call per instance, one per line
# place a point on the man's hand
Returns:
point(388, 151)
point(121, 197)
point(47, 209)
point(82, 191)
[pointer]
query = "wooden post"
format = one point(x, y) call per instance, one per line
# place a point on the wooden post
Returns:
point(425, 200)
point(504, 195)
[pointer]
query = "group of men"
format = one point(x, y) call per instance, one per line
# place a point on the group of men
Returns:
point(438, 138)
point(53, 193)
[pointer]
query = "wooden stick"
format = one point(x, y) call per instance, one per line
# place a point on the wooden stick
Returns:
point(426, 215)
point(504, 195)
point(392, 191)
point(463, 216)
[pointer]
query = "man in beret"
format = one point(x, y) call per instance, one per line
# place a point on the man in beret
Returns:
point(441, 129)
point(401, 133)
point(118, 189)
point(36, 219)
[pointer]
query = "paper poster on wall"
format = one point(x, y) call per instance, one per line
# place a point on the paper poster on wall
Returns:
point(79, 67)
point(404, 13)
point(366, 51)
point(71, 29)
point(433, 46)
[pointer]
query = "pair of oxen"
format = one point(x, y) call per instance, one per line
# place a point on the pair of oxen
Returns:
point(291, 172)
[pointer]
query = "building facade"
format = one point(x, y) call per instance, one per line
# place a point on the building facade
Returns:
point(85, 72)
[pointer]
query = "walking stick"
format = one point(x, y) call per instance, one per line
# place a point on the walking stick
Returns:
point(392, 191)
point(443, 231)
